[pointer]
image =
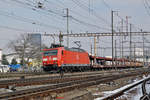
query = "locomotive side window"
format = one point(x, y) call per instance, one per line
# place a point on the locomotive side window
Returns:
point(62, 52)
point(50, 53)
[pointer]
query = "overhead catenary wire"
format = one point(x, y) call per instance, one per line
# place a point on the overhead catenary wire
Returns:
point(46, 14)
point(109, 7)
point(35, 9)
point(85, 23)
point(92, 25)
point(81, 5)
point(147, 6)
point(76, 13)
point(32, 5)
point(50, 11)
point(27, 20)
point(14, 29)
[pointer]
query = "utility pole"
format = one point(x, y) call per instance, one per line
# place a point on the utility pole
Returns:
point(95, 49)
point(122, 36)
point(115, 52)
point(67, 27)
point(127, 24)
point(130, 43)
point(143, 49)
point(112, 15)
point(60, 38)
point(134, 54)
point(120, 44)
point(67, 15)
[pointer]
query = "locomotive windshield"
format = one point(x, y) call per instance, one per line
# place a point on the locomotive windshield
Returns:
point(50, 53)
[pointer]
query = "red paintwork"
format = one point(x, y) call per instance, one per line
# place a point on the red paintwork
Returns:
point(50, 60)
point(68, 57)
point(72, 57)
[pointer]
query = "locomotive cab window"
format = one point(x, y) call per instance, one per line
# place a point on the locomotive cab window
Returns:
point(50, 53)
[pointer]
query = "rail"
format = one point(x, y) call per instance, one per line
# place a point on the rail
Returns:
point(62, 87)
point(121, 91)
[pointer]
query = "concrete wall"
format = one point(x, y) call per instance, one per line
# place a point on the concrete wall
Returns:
point(0, 56)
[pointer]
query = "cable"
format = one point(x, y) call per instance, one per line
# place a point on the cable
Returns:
point(60, 3)
point(60, 14)
point(34, 8)
point(51, 12)
point(12, 28)
point(108, 6)
point(86, 23)
point(147, 6)
point(92, 25)
point(28, 5)
point(26, 20)
point(81, 15)
point(87, 9)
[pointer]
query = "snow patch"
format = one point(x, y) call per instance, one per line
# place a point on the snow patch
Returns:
point(109, 93)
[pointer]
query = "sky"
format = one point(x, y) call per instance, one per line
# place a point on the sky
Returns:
point(23, 16)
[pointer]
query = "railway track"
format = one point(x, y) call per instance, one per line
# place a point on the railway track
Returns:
point(52, 79)
point(20, 74)
point(64, 86)
point(121, 91)
point(17, 75)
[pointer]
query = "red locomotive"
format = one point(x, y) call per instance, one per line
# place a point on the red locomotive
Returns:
point(59, 57)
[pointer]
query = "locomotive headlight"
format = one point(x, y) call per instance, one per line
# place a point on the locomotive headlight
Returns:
point(54, 58)
point(45, 59)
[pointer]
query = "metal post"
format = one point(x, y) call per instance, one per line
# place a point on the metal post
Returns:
point(67, 27)
point(134, 53)
point(60, 38)
point(112, 15)
point(95, 49)
point(115, 52)
point(143, 49)
point(91, 49)
point(127, 24)
point(130, 43)
point(120, 44)
point(122, 40)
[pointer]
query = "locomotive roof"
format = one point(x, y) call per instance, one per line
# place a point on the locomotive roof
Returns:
point(69, 49)
point(74, 49)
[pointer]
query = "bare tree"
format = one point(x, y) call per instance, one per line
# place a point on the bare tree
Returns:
point(25, 49)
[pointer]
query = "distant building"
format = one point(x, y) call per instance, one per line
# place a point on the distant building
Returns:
point(0, 56)
point(139, 54)
point(139, 51)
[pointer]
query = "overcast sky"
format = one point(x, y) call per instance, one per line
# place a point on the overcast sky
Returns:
point(23, 16)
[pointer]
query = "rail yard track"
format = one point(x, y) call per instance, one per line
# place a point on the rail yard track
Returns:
point(121, 91)
point(55, 79)
point(66, 84)
point(18, 75)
